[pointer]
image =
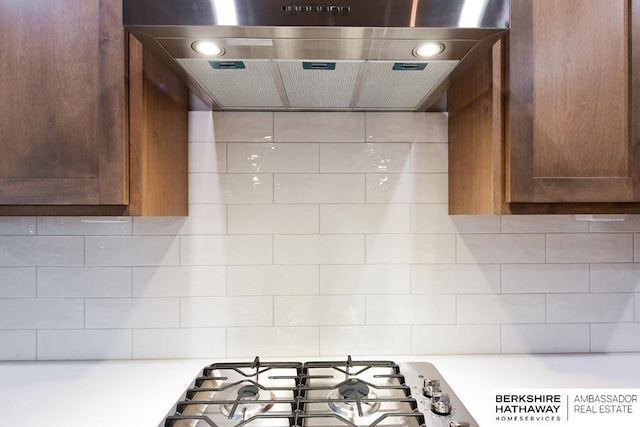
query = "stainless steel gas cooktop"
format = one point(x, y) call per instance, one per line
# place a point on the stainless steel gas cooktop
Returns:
point(318, 394)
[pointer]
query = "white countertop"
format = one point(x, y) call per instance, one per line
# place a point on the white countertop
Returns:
point(140, 393)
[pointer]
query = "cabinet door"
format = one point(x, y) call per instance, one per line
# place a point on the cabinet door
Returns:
point(569, 131)
point(62, 98)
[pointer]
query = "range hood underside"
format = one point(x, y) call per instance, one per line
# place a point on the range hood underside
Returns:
point(338, 67)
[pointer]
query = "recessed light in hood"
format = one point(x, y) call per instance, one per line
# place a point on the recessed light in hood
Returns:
point(207, 48)
point(375, 49)
point(428, 50)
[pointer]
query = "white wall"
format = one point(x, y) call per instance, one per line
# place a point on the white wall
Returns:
point(316, 234)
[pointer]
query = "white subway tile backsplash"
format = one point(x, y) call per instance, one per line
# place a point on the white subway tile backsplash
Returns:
point(435, 218)
point(319, 188)
point(543, 224)
point(615, 278)
point(184, 343)
point(585, 308)
point(273, 157)
point(273, 342)
point(365, 157)
point(630, 223)
point(25, 251)
point(455, 339)
point(17, 282)
point(505, 309)
point(406, 127)
point(429, 157)
point(572, 338)
point(202, 219)
point(161, 225)
point(319, 249)
point(316, 234)
point(179, 281)
point(41, 313)
point(273, 280)
point(125, 313)
point(87, 226)
point(410, 309)
point(201, 126)
point(84, 344)
point(500, 248)
point(364, 218)
point(132, 250)
point(636, 246)
point(243, 126)
point(208, 188)
point(15, 226)
point(84, 282)
point(411, 249)
point(226, 250)
point(615, 337)
point(455, 279)
point(18, 345)
point(212, 312)
point(273, 219)
point(545, 278)
point(407, 188)
point(589, 247)
point(319, 127)
point(207, 157)
point(319, 310)
point(364, 340)
point(365, 279)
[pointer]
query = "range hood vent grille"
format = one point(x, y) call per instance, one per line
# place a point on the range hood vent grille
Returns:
point(237, 88)
point(351, 85)
point(400, 89)
point(320, 88)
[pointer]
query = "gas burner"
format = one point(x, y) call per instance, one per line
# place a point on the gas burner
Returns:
point(248, 400)
point(353, 389)
point(347, 399)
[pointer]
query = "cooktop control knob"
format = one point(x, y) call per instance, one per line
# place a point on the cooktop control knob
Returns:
point(440, 404)
point(458, 424)
point(430, 387)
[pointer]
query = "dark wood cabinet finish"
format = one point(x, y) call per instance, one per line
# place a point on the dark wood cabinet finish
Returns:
point(569, 102)
point(62, 103)
point(88, 119)
point(158, 111)
point(476, 155)
point(560, 101)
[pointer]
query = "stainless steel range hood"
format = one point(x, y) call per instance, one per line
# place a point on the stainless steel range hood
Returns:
point(342, 55)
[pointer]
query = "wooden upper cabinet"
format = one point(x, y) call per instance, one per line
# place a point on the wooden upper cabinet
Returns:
point(62, 103)
point(90, 122)
point(570, 107)
point(549, 121)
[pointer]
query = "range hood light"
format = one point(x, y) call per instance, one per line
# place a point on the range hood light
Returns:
point(429, 49)
point(207, 48)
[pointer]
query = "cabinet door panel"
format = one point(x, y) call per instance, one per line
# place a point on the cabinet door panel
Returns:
point(62, 87)
point(569, 128)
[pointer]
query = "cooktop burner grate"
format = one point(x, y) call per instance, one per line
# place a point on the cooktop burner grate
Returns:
point(314, 394)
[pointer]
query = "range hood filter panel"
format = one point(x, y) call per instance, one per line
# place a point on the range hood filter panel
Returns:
point(249, 87)
point(320, 88)
point(384, 87)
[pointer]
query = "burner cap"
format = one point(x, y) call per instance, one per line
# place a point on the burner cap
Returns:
point(244, 401)
point(248, 391)
point(343, 399)
point(353, 388)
